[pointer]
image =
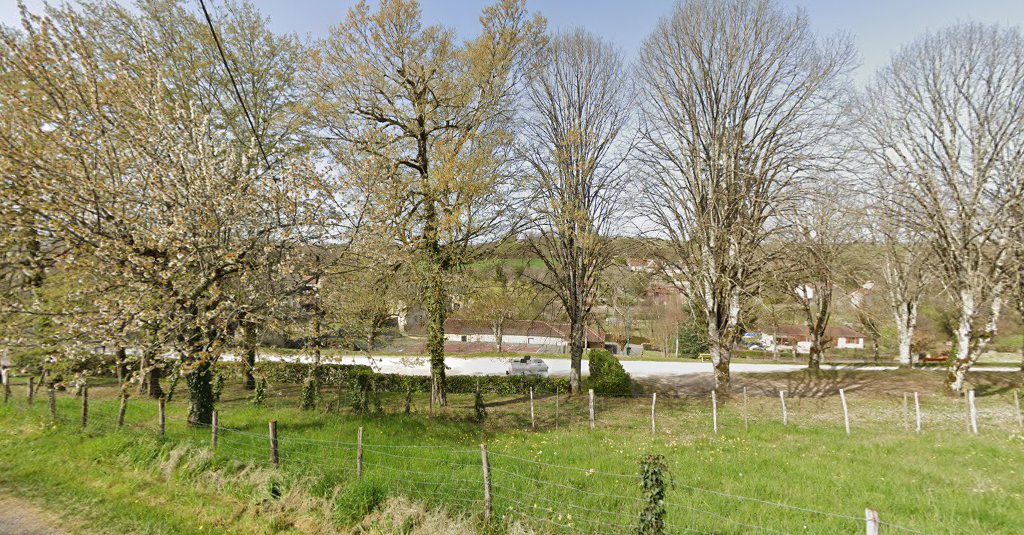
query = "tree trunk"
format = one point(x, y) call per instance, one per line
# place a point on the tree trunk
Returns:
point(721, 356)
point(249, 339)
point(200, 393)
point(437, 312)
point(150, 374)
point(964, 356)
point(311, 386)
point(120, 364)
point(497, 335)
point(577, 342)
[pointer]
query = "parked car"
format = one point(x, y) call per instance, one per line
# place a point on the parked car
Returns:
point(527, 366)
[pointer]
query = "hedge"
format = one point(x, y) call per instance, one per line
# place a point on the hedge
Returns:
point(348, 374)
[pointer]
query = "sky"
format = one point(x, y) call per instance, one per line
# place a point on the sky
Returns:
point(879, 27)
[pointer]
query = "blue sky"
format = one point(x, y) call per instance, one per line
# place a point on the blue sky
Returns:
point(879, 27)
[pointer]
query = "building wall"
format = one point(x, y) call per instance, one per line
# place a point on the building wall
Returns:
point(506, 339)
point(850, 343)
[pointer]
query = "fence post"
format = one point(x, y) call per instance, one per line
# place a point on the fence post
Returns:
point(556, 406)
point(967, 412)
point(213, 429)
point(974, 412)
point(785, 415)
point(162, 414)
point(906, 413)
point(487, 482)
point(591, 408)
point(122, 409)
point(917, 410)
point(31, 389)
point(1016, 403)
point(51, 395)
point(746, 425)
point(654, 401)
point(274, 458)
point(359, 452)
point(533, 420)
point(714, 410)
point(7, 385)
point(654, 477)
point(85, 406)
point(846, 411)
point(872, 521)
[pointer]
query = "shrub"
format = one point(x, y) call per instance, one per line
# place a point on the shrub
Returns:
point(356, 377)
point(607, 376)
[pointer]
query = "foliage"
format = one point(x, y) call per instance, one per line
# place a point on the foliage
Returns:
point(654, 477)
point(479, 408)
point(607, 376)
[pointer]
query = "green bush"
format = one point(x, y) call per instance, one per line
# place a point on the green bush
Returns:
point(356, 377)
point(607, 376)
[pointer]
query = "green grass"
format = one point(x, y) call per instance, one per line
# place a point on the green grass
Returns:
point(560, 477)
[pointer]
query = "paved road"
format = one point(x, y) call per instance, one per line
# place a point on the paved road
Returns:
point(560, 366)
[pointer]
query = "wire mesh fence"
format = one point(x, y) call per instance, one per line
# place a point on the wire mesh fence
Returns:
point(550, 497)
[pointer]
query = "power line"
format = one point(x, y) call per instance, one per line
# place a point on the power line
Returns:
point(234, 84)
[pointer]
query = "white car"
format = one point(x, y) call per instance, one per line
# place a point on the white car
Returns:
point(527, 366)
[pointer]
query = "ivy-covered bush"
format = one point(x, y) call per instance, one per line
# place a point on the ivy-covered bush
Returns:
point(607, 376)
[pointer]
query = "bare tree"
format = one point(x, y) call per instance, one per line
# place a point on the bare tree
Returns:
point(816, 262)
point(739, 100)
point(420, 124)
point(945, 122)
point(580, 104)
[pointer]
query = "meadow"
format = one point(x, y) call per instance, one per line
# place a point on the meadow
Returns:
point(422, 472)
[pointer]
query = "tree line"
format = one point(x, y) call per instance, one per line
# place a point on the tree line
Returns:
point(179, 180)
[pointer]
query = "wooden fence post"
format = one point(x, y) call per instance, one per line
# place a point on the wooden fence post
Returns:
point(1016, 403)
point(359, 452)
point(31, 389)
point(906, 412)
point(487, 483)
point(846, 411)
point(533, 420)
point(746, 425)
point(275, 459)
point(556, 406)
point(654, 401)
point(785, 414)
point(714, 410)
point(917, 409)
point(967, 412)
point(162, 414)
point(872, 521)
point(85, 406)
point(51, 395)
point(591, 408)
point(121, 409)
point(974, 412)
point(213, 429)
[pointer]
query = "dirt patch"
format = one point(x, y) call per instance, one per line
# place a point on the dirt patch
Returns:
point(19, 517)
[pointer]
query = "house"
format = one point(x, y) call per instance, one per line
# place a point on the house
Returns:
point(518, 335)
point(789, 336)
point(643, 265)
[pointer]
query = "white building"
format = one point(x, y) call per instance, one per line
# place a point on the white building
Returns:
point(531, 333)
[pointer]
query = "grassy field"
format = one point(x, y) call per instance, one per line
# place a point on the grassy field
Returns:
point(422, 471)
